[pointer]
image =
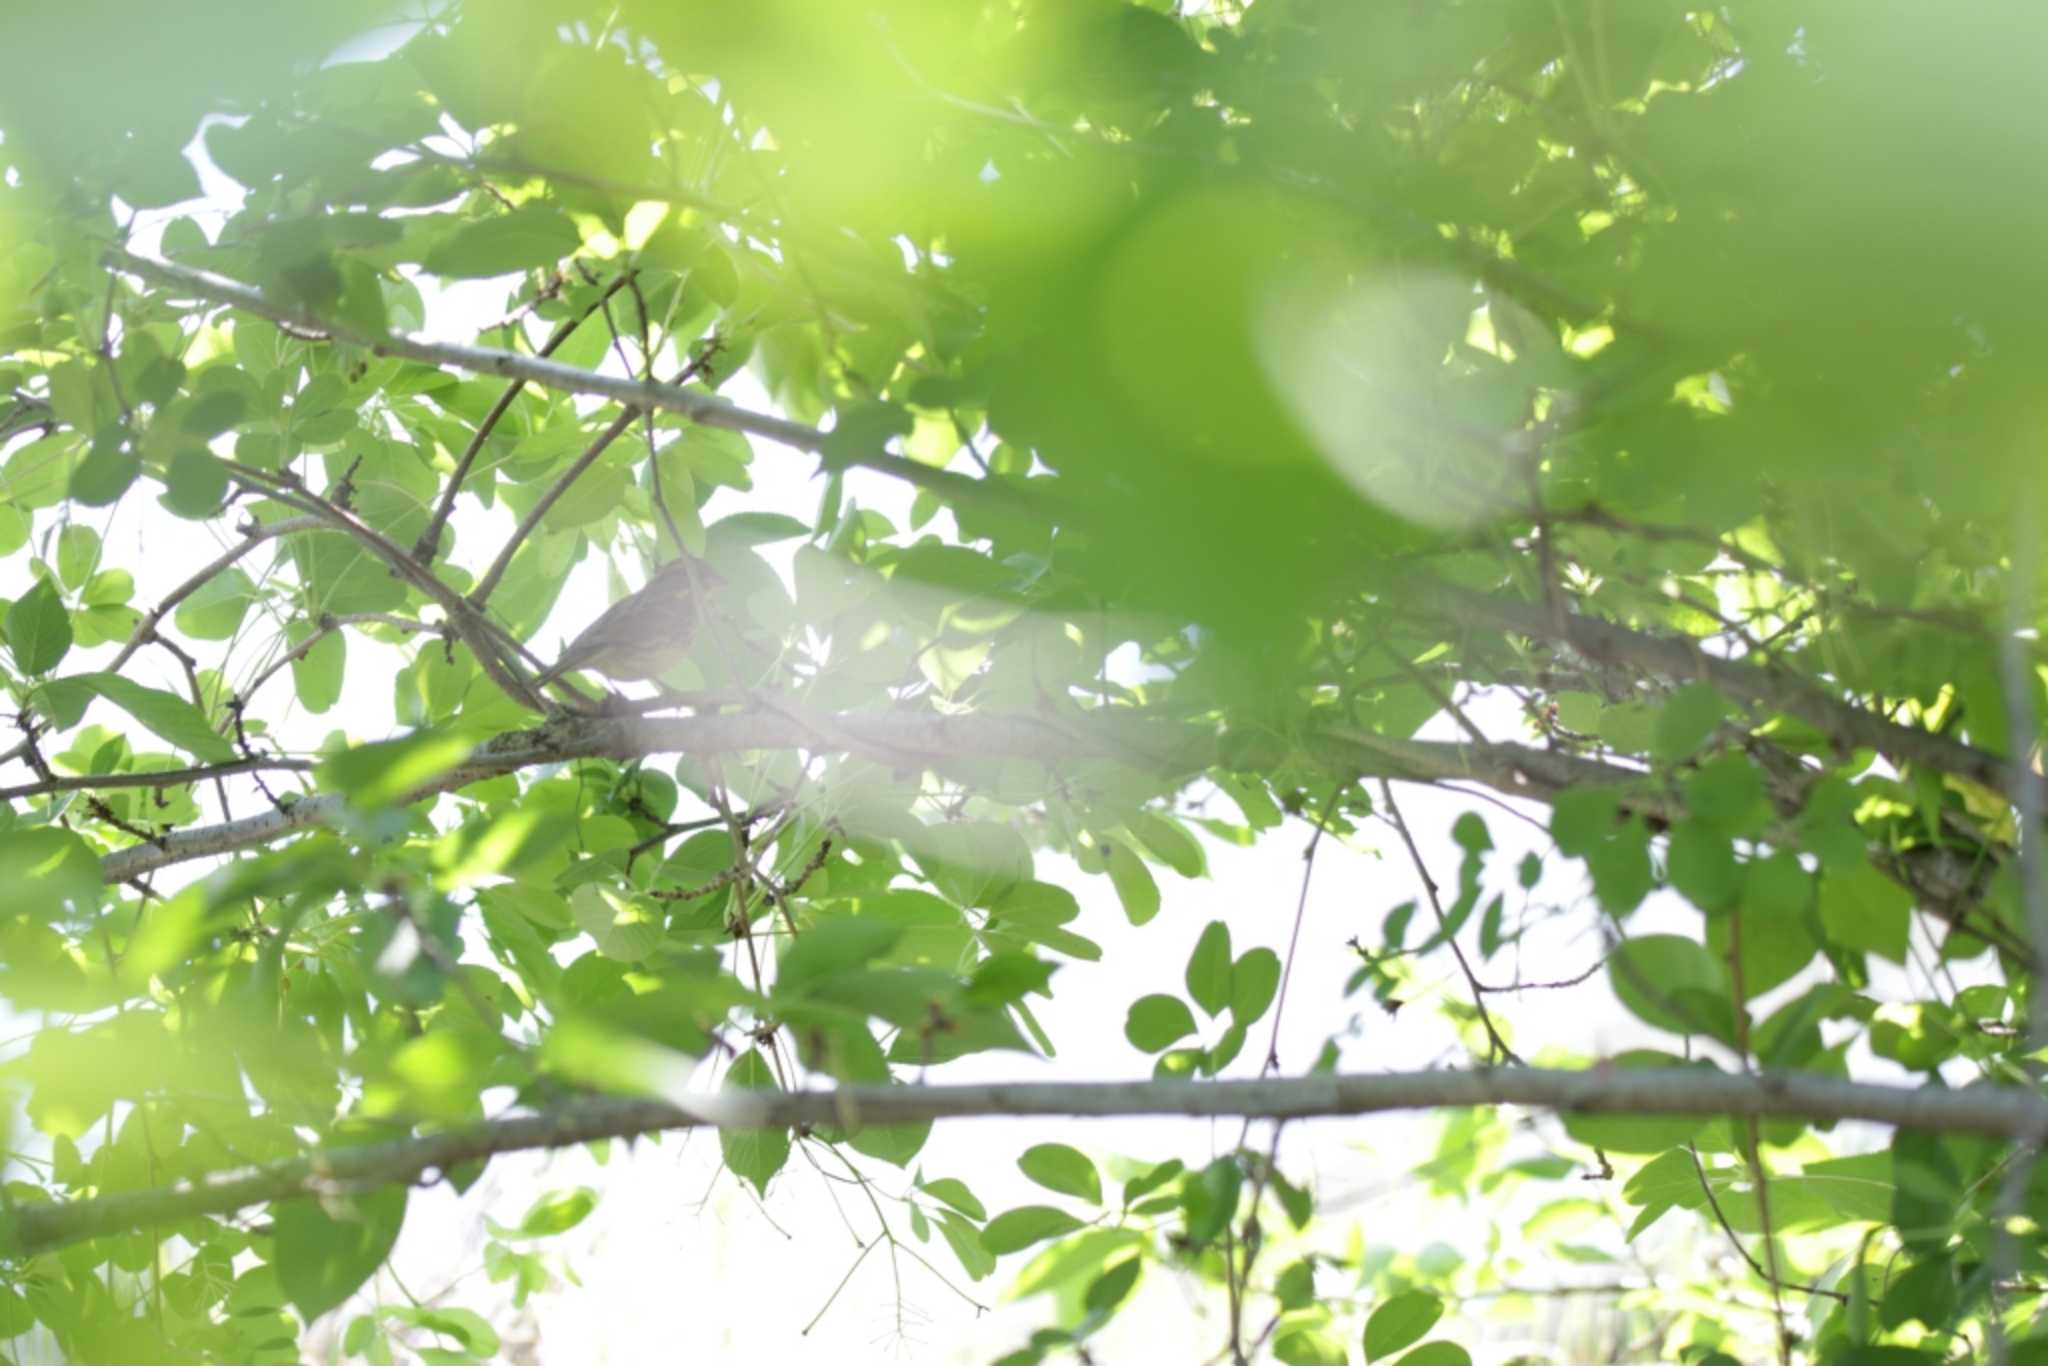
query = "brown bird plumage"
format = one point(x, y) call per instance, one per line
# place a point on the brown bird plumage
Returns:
point(643, 635)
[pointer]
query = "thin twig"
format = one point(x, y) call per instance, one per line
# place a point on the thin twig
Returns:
point(328, 624)
point(1721, 1218)
point(176, 777)
point(1497, 1046)
point(2024, 789)
point(1308, 867)
point(1752, 1135)
point(429, 543)
point(487, 641)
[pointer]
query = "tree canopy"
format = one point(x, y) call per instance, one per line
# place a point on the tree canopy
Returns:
point(1646, 396)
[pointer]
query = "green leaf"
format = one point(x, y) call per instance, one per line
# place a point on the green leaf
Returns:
point(1470, 832)
point(1671, 982)
point(1620, 865)
point(1685, 722)
point(195, 483)
point(37, 475)
point(78, 554)
point(324, 1255)
point(840, 944)
point(1014, 1230)
point(215, 609)
point(1253, 980)
point(754, 1155)
point(378, 774)
point(1066, 1170)
point(1226, 1050)
point(1927, 1193)
point(861, 430)
point(533, 235)
point(14, 529)
point(556, 1212)
point(965, 1240)
point(1209, 968)
point(1438, 1354)
point(1863, 909)
point(1307, 1347)
point(1169, 842)
point(1154, 1022)
point(759, 528)
point(167, 715)
point(1209, 1201)
point(622, 927)
point(46, 873)
point(1138, 1187)
point(1401, 1322)
point(479, 1340)
point(38, 629)
point(1702, 867)
point(317, 673)
point(956, 1194)
point(1727, 793)
point(1295, 1287)
point(972, 863)
point(1008, 977)
point(1926, 1291)
point(1133, 882)
point(1108, 1290)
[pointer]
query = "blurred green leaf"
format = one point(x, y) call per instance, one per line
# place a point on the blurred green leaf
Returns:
point(1155, 1022)
point(38, 629)
point(325, 1252)
point(1059, 1168)
point(165, 714)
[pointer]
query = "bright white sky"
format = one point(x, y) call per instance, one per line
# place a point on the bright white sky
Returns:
point(679, 1262)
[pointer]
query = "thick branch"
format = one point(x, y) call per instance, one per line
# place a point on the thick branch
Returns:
point(917, 741)
point(1980, 1110)
point(1847, 724)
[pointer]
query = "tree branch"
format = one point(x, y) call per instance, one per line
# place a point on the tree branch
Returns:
point(429, 543)
point(919, 740)
point(174, 777)
point(145, 630)
point(1980, 1110)
point(475, 629)
point(1848, 725)
point(327, 625)
point(706, 408)
point(599, 444)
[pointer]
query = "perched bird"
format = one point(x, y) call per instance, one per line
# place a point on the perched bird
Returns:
point(645, 634)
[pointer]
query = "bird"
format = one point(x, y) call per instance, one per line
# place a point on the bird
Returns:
point(644, 634)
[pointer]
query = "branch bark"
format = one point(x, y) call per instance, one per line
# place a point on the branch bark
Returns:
point(708, 409)
point(1978, 1110)
point(1779, 689)
point(698, 406)
point(917, 741)
point(175, 777)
